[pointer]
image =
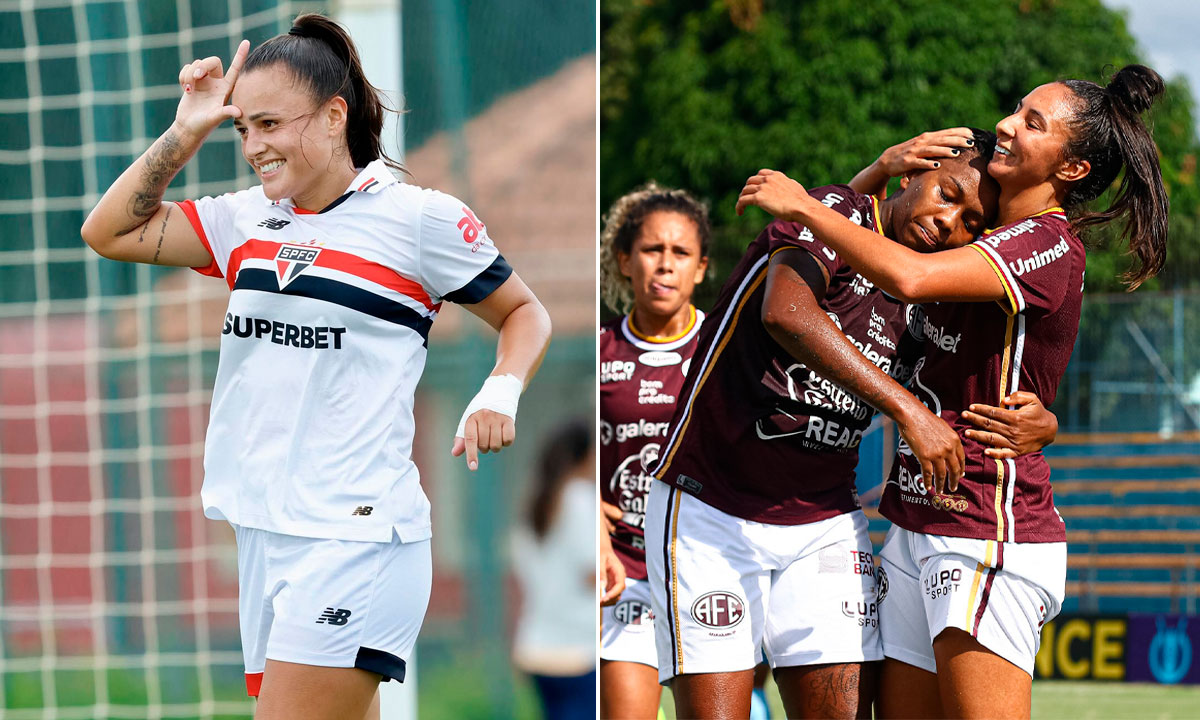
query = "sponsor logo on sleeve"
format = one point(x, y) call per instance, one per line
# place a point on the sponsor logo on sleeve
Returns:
point(1041, 259)
point(473, 231)
point(1019, 229)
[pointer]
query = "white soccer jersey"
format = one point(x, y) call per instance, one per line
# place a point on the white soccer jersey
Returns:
point(324, 341)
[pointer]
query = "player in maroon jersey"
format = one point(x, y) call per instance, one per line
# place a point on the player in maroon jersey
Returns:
point(983, 562)
point(755, 534)
point(654, 250)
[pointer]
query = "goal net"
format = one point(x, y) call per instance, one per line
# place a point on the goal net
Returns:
point(117, 598)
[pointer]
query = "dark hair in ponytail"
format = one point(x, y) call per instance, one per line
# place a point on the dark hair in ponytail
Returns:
point(563, 450)
point(1109, 133)
point(321, 55)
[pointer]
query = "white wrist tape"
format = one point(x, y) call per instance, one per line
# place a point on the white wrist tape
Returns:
point(499, 393)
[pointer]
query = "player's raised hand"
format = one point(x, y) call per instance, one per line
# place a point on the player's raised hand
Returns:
point(925, 151)
point(938, 449)
point(774, 192)
point(1027, 427)
point(206, 89)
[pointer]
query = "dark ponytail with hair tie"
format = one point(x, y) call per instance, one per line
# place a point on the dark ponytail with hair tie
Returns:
point(1109, 134)
point(322, 56)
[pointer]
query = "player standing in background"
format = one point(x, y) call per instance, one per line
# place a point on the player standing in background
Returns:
point(337, 271)
point(653, 252)
point(755, 536)
point(973, 574)
point(555, 638)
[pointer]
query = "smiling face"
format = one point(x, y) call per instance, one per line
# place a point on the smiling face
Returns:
point(944, 208)
point(664, 264)
point(289, 142)
point(1031, 143)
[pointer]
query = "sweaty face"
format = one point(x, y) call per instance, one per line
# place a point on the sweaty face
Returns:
point(946, 207)
point(282, 135)
point(1031, 143)
point(664, 263)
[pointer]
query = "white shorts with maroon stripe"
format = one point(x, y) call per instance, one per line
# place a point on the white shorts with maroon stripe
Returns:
point(331, 603)
point(1000, 593)
point(723, 587)
point(627, 628)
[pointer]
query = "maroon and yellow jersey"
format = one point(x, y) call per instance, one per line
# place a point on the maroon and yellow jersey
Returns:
point(758, 434)
point(640, 380)
point(981, 352)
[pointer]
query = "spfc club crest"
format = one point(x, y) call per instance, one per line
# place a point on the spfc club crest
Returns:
point(291, 260)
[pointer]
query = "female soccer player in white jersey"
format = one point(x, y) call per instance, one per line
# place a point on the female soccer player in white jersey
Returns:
point(653, 253)
point(337, 271)
point(974, 571)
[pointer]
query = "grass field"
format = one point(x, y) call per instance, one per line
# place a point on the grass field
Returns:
point(1059, 700)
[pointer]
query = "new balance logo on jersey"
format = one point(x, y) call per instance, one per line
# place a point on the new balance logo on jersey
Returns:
point(291, 260)
point(274, 223)
point(334, 616)
point(362, 510)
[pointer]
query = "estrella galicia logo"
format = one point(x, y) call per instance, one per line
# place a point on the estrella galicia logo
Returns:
point(633, 612)
point(718, 610)
point(881, 586)
point(291, 260)
point(1170, 652)
point(334, 616)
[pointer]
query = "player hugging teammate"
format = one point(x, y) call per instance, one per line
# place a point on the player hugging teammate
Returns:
point(975, 569)
point(754, 536)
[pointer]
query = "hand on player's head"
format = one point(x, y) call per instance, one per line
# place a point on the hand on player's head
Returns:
point(206, 90)
point(772, 191)
point(944, 207)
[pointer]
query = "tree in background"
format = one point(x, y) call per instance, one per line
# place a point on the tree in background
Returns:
point(703, 97)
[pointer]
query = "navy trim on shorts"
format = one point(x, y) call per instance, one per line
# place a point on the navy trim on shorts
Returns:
point(380, 662)
point(492, 277)
point(667, 576)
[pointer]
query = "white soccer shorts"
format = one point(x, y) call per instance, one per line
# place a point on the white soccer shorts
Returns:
point(627, 628)
point(332, 603)
point(1000, 593)
point(723, 587)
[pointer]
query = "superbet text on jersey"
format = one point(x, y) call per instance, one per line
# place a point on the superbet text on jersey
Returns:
point(322, 346)
point(640, 379)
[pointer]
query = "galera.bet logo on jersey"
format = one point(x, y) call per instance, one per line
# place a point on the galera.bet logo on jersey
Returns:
point(292, 260)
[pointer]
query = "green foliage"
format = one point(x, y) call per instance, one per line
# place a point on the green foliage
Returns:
point(702, 96)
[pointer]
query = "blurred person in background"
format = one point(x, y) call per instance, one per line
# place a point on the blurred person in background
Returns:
point(337, 271)
point(554, 557)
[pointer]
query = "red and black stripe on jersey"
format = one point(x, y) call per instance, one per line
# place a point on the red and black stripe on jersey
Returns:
point(759, 435)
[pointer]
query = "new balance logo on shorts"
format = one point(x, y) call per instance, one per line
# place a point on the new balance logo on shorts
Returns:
point(363, 510)
point(334, 616)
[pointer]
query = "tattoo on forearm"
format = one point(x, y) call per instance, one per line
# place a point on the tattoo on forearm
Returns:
point(162, 163)
point(163, 232)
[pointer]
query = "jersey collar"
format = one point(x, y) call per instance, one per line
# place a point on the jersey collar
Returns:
point(371, 179)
